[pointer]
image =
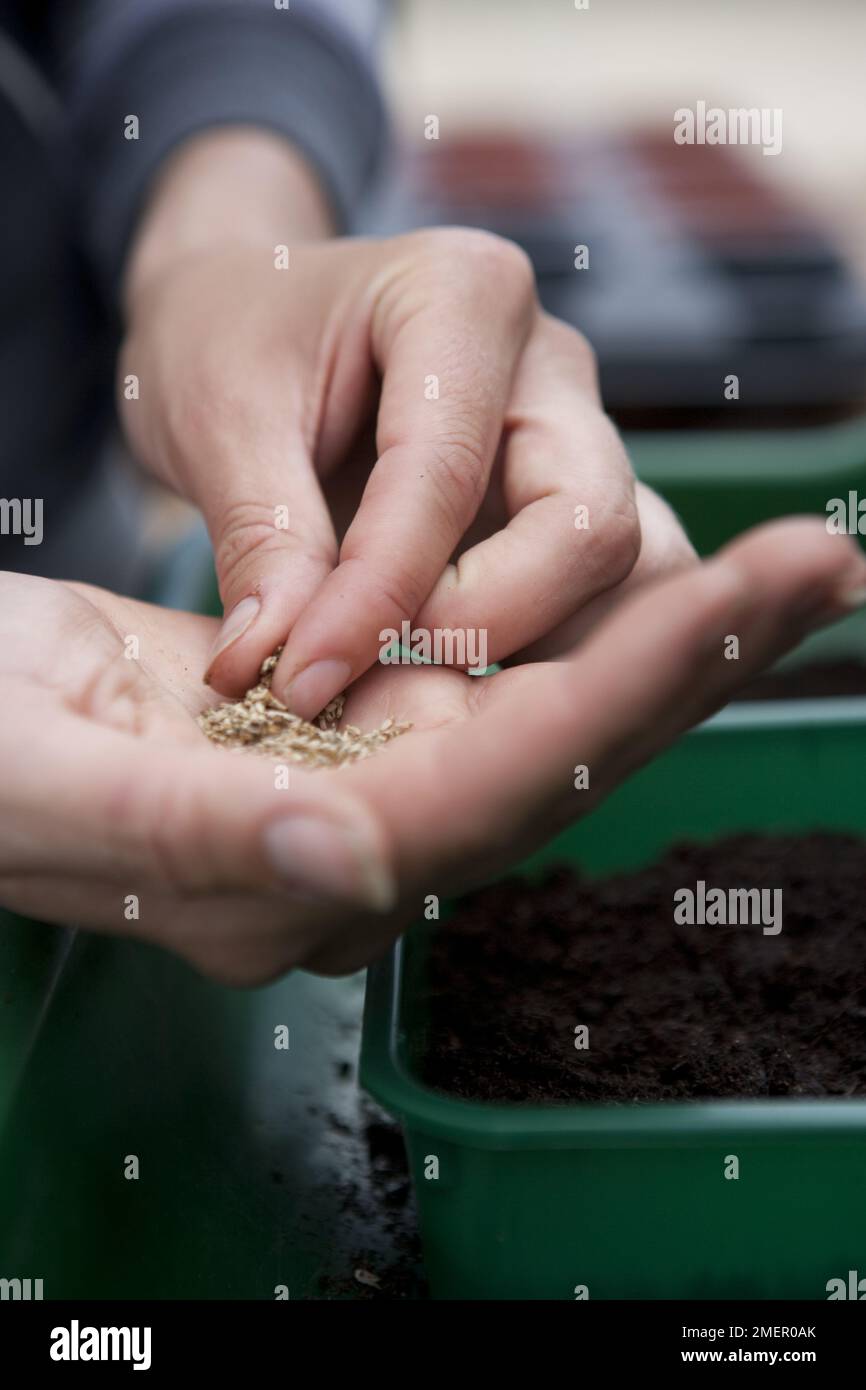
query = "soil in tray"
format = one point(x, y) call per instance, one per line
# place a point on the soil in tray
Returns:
point(673, 1011)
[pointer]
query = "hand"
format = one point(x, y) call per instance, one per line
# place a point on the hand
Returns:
point(258, 388)
point(109, 789)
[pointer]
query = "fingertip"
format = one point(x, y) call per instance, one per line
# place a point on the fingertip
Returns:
point(234, 667)
point(235, 670)
point(807, 556)
point(310, 690)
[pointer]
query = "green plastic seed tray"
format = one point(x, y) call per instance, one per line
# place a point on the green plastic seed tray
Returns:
point(568, 1201)
point(723, 482)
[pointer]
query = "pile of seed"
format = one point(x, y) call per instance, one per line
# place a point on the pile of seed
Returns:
point(261, 723)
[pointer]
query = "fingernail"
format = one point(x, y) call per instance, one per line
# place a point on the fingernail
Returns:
point(311, 690)
point(234, 625)
point(854, 598)
point(319, 859)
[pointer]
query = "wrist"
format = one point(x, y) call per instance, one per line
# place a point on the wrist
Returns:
point(228, 187)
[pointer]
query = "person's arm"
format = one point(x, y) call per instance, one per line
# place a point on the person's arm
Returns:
point(234, 186)
point(181, 67)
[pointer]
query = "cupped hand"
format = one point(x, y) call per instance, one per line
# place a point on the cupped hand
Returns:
point(119, 816)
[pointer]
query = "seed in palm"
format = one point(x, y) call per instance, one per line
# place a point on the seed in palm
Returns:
point(260, 723)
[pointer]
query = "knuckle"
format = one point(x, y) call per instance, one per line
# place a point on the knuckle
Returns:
point(245, 527)
point(583, 348)
point(459, 477)
point(497, 252)
point(616, 537)
point(247, 536)
point(615, 517)
point(480, 253)
point(398, 593)
point(665, 547)
point(621, 541)
point(564, 338)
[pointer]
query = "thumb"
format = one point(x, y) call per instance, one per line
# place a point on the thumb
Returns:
point(175, 816)
point(274, 544)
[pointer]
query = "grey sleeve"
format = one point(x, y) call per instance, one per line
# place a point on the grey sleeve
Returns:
point(180, 66)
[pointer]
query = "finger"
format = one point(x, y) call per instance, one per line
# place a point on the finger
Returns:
point(664, 550)
point(447, 333)
point(768, 589)
point(274, 545)
point(100, 803)
point(568, 489)
point(502, 782)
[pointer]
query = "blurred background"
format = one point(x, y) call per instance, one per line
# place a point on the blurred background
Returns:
point(555, 127)
point(543, 66)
